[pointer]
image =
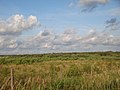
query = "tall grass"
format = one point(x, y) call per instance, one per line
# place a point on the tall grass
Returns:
point(63, 75)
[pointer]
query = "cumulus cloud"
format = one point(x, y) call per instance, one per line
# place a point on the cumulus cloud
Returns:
point(40, 41)
point(8, 42)
point(12, 42)
point(69, 40)
point(113, 24)
point(66, 39)
point(11, 29)
point(17, 24)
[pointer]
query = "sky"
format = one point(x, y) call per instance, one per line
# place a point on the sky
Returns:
point(47, 26)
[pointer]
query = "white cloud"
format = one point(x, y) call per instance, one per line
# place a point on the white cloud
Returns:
point(8, 42)
point(17, 24)
point(11, 29)
point(69, 40)
point(46, 45)
point(47, 41)
point(13, 45)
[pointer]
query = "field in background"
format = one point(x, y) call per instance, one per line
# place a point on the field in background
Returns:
point(62, 71)
point(35, 58)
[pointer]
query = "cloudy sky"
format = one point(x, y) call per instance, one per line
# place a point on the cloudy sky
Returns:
point(44, 26)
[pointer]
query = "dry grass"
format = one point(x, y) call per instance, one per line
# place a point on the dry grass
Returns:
point(63, 75)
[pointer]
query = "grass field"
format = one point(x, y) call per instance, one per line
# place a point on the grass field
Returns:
point(62, 71)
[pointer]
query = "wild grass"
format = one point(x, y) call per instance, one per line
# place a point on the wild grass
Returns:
point(36, 58)
point(63, 75)
point(89, 74)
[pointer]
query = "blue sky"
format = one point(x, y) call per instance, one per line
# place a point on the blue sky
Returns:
point(86, 20)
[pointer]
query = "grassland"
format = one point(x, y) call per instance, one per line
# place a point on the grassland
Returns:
point(62, 71)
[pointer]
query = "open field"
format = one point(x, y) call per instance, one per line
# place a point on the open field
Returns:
point(35, 58)
point(62, 71)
